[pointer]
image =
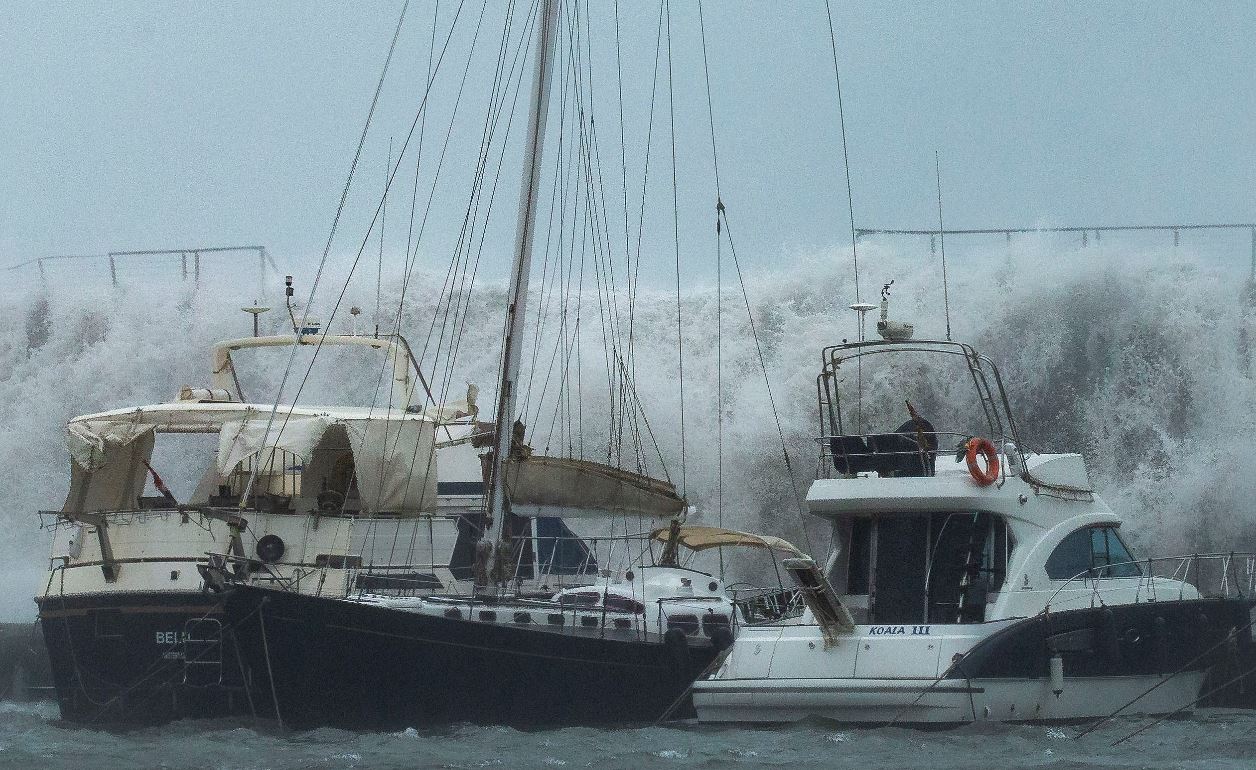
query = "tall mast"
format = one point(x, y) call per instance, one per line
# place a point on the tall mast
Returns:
point(547, 28)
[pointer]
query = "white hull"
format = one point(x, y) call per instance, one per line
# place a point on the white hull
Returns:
point(950, 702)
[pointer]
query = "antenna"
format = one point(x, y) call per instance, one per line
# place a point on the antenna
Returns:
point(862, 309)
point(255, 310)
point(287, 293)
point(946, 299)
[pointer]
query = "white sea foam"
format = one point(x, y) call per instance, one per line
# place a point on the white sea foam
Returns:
point(1133, 356)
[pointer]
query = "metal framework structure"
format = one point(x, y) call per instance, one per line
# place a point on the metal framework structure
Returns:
point(113, 258)
point(1085, 231)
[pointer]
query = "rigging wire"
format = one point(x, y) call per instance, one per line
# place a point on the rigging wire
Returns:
point(721, 216)
point(719, 294)
point(623, 166)
point(946, 299)
point(793, 481)
point(680, 338)
point(362, 247)
point(405, 275)
point(850, 205)
point(322, 263)
point(383, 222)
point(841, 116)
point(635, 281)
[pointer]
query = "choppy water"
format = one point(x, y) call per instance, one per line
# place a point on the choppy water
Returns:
point(31, 736)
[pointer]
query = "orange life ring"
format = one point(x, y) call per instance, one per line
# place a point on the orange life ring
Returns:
point(986, 449)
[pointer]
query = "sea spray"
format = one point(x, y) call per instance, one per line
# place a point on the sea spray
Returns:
point(1132, 357)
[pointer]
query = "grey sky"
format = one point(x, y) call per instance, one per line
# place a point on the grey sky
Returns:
point(151, 124)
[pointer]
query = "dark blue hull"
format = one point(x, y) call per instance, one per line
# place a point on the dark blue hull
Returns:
point(1119, 640)
point(135, 659)
point(355, 666)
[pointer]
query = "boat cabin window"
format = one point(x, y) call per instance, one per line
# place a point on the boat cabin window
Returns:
point(927, 568)
point(1092, 552)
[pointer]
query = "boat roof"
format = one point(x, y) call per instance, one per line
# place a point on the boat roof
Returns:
point(951, 489)
point(185, 417)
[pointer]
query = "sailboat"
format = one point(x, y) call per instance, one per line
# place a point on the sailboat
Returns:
point(621, 647)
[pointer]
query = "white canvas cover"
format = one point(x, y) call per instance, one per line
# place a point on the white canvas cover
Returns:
point(394, 454)
point(107, 471)
point(394, 458)
point(558, 486)
point(293, 433)
point(395, 463)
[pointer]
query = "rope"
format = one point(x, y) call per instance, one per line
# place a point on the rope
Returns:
point(1180, 709)
point(780, 431)
point(688, 691)
point(270, 674)
point(1225, 639)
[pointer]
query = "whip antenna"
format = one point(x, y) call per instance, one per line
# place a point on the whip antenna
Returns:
point(946, 299)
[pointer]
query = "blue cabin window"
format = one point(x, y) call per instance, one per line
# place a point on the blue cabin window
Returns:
point(1096, 552)
point(560, 551)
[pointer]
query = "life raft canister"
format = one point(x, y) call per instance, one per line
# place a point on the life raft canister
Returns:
point(983, 447)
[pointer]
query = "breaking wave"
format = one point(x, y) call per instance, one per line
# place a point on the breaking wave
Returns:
point(1138, 358)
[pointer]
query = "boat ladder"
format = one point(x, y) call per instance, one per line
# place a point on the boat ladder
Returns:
point(202, 652)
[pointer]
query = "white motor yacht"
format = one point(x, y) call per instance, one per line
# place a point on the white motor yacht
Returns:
point(996, 587)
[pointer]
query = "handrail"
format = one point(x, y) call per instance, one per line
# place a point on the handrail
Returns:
point(1180, 573)
point(986, 381)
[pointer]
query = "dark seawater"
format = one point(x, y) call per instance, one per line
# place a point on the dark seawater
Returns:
point(31, 736)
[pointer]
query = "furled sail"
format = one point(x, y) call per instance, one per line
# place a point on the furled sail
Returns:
point(557, 486)
point(697, 538)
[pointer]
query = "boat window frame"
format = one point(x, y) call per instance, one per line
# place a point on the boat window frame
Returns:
point(862, 548)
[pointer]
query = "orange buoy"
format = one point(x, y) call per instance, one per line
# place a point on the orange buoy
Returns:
point(983, 447)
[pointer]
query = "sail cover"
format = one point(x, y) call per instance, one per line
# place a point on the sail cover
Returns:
point(556, 486)
point(701, 538)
